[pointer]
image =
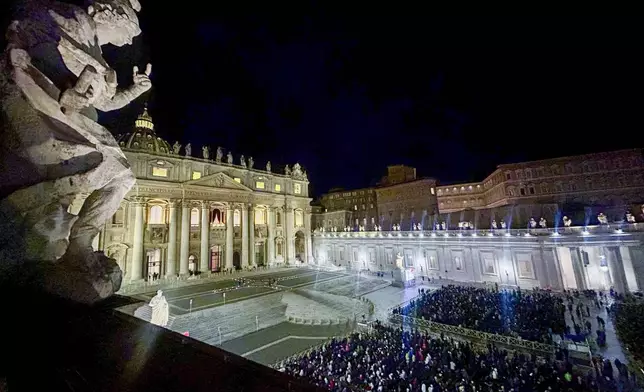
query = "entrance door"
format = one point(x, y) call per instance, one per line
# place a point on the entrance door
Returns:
point(215, 258)
point(259, 253)
point(154, 264)
point(236, 260)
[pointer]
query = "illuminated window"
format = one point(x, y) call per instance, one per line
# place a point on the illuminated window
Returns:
point(432, 190)
point(297, 189)
point(156, 215)
point(355, 208)
point(194, 217)
point(236, 218)
point(237, 179)
point(299, 219)
point(260, 217)
point(259, 184)
point(278, 187)
point(196, 175)
point(159, 171)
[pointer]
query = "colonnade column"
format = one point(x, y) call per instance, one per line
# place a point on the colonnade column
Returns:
point(204, 254)
point(290, 241)
point(629, 268)
point(251, 235)
point(137, 242)
point(229, 237)
point(271, 235)
point(244, 228)
point(578, 268)
point(307, 235)
point(185, 239)
point(171, 268)
point(616, 269)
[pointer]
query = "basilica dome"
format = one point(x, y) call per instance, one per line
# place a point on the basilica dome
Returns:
point(143, 137)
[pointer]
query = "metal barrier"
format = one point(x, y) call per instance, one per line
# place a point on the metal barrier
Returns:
point(471, 334)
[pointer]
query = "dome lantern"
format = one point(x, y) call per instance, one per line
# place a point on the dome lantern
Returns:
point(143, 137)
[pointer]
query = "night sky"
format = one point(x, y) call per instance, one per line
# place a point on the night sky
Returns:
point(346, 94)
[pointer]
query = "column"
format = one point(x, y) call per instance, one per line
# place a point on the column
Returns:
point(185, 239)
point(251, 234)
point(290, 241)
point(552, 269)
point(578, 268)
point(229, 236)
point(629, 271)
point(244, 228)
point(171, 268)
point(271, 236)
point(137, 242)
point(616, 269)
point(307, 237)
point(204, 255)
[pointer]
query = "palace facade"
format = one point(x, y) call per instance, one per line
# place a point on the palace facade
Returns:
point(577, 187)
point(191, 215)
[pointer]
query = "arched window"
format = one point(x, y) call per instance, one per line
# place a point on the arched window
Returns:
point(236, 218)
point(216, 217)
point(156, 215)
point(299, 218)
point(194, 217)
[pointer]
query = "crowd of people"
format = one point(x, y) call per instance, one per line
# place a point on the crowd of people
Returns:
point(532, 316)
point(390, 359)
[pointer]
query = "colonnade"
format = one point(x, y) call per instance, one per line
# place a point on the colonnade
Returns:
point(280, 230)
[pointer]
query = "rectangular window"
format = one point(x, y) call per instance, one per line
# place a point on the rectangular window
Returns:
point(522, 191)
point(196, 175)
point(259, 184)
point(297, 189)
point(237, 180)
point(278, 187)
point(432, 190)
point(531, 190)
point(159, 171)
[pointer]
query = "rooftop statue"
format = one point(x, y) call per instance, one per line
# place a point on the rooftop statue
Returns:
point(188, 150)
point(268, 166)
point(52, 79)
point(206, 152)
point(229, 158)
point(219, 154)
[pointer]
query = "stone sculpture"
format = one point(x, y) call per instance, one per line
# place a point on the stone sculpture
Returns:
point(503, 224)
point(176, 148)
point(287, 170)
point(53, 78)
point(494, 224)
point(533, 223)
point(229, 158)
point(399, 260)
point(602, 219)
point(242, 161)
point(268, 166)
point(567, 221)
point(218, 155)
point(630, 218)
point(188, 150)
point(442, 225)
point(251, 162)
point(160, 310)
point(543, 223)
point(297, 170)
point(206, 152)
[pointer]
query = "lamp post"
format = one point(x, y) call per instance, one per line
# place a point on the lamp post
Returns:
point(256, 323)
point(190, 305)
point(224, 298)
point(219, 331)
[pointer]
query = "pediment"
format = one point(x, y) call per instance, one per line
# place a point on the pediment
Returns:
point(219, 180)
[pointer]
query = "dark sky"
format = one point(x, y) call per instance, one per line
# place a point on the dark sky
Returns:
point(345, 93)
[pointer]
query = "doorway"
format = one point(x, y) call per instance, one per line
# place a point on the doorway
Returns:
point(215, 258)
point(236, 260)
point(153, 257)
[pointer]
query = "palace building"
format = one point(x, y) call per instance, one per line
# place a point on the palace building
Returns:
point(190, 215)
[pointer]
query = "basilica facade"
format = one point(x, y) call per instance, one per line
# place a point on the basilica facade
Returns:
point(190, 215)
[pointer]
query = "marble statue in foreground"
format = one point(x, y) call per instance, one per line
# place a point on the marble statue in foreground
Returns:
point(160, 310)
point(52, 79)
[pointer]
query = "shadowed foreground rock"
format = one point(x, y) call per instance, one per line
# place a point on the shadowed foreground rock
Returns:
point(54, 345)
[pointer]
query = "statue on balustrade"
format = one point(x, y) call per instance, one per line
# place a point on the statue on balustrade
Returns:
point(268, 166)
point(603, 220)
point(494, 224)
point(503, 224)
point(630, 218)
point(53, 79)
point(287, 170)
point(229, 158)
point(543, 223)
point(188, 150)
point(533, 223)
point(242, 161)
point(176, 148)
point(399, 260)
point(251, 162)
point(567, 221)
point(443, 226)
point(206, 152)
point(218, 155)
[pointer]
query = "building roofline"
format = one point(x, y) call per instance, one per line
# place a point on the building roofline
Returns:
point(578, 156)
